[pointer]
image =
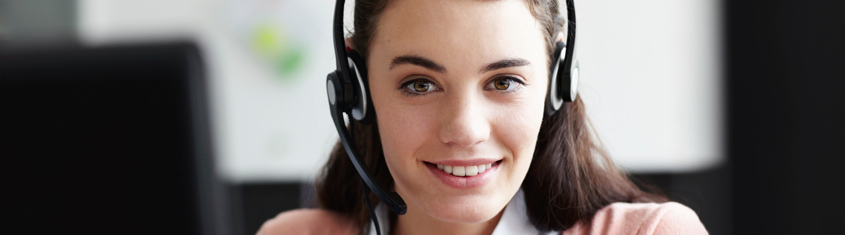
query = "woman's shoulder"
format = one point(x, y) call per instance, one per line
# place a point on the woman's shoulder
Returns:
point(642, 218)
point(309, 221)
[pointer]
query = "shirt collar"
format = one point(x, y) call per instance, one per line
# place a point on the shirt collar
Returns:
point(514, 220)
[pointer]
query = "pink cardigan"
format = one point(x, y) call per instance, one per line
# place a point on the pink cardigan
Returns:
point(616, 218)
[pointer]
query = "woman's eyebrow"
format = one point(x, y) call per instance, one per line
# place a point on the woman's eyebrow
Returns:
point(513, 62)
point(417, 60)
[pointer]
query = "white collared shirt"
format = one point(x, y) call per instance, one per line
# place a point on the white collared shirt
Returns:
point(514, 220)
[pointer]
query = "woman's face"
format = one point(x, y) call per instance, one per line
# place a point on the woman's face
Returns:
point(460, 84)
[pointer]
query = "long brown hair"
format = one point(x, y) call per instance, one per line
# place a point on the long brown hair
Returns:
point(570, 177)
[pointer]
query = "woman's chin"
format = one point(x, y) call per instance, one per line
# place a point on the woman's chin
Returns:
point(466, 212)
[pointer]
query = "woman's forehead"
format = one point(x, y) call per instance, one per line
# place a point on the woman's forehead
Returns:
point(447, 29)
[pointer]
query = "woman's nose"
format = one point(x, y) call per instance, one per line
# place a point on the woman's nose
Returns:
point(463, 121)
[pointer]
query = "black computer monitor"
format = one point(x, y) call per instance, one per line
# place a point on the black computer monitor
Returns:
point(107, 140)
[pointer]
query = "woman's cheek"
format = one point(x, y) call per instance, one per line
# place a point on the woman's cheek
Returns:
point(519, 124)
point(402, 130)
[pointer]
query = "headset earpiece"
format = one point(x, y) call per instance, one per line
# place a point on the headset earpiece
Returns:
point(351, 95)
point(553, 96)
point(569, 76)
point(563, 79)
point(362, 110)
point(564, 72)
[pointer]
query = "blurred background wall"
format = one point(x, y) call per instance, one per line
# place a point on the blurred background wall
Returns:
point(267, 54)
point(716, 102)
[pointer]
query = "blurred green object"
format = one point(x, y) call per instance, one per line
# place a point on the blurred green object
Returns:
point(271, 42)
point(291, 61)
point(268, 38)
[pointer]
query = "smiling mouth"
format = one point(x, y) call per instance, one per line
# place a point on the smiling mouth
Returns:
point(465, 171)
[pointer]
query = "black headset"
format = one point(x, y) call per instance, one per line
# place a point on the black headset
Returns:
point(348, 93)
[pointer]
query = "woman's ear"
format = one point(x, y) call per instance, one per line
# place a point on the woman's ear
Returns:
point(349, 44)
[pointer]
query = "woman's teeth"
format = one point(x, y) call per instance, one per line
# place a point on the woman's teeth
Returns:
point(465, 170)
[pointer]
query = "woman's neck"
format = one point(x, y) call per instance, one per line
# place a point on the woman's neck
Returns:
point(418, 222)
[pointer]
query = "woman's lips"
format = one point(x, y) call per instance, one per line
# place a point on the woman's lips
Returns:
point(473, 175)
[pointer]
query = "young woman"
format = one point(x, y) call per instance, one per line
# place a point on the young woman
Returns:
point(461, 132)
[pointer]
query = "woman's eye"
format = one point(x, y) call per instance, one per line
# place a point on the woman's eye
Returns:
point(419, 86)
point(504, 83)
